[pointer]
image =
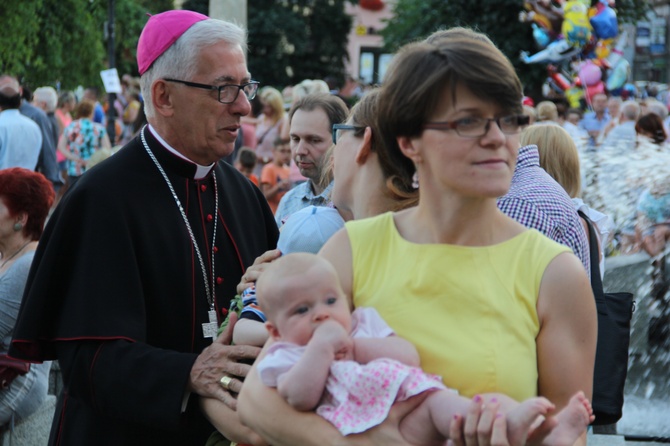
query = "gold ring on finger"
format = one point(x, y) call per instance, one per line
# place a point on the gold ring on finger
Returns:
point(225, 382)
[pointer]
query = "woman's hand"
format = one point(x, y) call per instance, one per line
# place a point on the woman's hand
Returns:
point(388, 432)
point(254, 271)
point(482, 426)
point(225, 420)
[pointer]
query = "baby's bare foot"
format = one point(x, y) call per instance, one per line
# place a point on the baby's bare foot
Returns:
point(572, 422)
point(522, 419)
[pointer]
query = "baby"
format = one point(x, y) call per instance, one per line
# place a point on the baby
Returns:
point(364, 368)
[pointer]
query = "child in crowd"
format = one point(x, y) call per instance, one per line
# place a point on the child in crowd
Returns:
point(306, 230)
point(364, 368)
point(275, 174)
point(246, 162)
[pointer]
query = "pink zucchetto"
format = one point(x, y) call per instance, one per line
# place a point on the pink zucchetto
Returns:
point(160, 32)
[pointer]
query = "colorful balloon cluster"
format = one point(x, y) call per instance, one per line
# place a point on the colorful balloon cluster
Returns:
point(582, 37)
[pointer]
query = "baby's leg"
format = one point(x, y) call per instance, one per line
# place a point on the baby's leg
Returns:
point(429, 423)
point(571, 422)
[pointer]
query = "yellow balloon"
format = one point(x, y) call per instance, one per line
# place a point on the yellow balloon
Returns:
point(573, 95)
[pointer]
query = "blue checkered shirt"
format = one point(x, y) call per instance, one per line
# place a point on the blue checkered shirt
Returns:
point(537, 201)
point(300, 197)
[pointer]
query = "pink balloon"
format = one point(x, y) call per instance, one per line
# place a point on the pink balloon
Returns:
point(590, 74)
point(593, 90)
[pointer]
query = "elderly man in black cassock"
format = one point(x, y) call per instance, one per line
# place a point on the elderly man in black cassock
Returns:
point(138, 264)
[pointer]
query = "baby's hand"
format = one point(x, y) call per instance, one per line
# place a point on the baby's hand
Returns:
point(331, 333)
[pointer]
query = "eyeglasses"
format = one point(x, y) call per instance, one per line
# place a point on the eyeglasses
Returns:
point(227, 93)
point(338, 127)
point(475, 127)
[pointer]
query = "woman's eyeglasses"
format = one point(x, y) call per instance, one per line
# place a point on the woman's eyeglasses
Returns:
point(338, 127)
point(474, 127)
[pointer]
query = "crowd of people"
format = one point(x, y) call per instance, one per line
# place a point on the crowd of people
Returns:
point(454, 303)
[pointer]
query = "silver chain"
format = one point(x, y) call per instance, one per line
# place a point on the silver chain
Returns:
point(210, 294)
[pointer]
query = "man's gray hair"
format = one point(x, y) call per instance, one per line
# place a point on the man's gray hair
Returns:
point(179, 61)
point(47, 95)
point(630, 110)
point(656, 107)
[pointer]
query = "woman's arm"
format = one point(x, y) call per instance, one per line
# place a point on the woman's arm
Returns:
point(62, 148)
point(226, 421)
point(269, 191)
point(566, 343)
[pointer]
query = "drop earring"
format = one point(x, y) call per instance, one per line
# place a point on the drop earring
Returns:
point(415, 180)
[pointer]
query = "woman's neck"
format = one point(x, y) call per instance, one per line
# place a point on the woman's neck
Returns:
point(370, 201)
point(456, 221)
point(11, 250)
point(271, 119)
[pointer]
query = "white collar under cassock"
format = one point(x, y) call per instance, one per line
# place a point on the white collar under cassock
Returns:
point(200, 172)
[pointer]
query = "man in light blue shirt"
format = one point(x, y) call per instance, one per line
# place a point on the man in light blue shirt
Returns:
point(20, 137)
point(595, 122)
point(625, 133)
point(311, 121)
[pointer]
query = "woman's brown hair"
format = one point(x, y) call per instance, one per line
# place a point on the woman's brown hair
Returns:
point(417, 79)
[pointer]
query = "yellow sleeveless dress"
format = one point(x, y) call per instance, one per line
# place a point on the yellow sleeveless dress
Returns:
point(470, 311)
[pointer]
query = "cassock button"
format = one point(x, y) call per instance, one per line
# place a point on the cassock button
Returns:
point(215, 249)
point(209, 217)
point(203, 187)
point(219, 280)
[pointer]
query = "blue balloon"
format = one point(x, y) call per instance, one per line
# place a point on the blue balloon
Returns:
point(605, 23)
point(630, 88)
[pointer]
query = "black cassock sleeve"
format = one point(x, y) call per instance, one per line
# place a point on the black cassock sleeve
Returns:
point(126, 380)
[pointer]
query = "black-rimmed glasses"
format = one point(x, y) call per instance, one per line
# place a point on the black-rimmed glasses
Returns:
point(227, 93)
point(338, 127)
point(474, 127)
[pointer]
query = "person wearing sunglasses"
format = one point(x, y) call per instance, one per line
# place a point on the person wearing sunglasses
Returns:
point(141, 258)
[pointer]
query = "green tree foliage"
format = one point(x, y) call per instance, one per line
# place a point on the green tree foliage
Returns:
point(415, 20)
point(46, 42)
point(201, 6)
point(292, 40)
point(630, 11)
point(18, 39)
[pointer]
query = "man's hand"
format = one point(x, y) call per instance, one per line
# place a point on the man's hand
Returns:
point(218, 360)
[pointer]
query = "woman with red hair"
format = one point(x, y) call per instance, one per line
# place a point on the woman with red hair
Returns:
point(25, 200)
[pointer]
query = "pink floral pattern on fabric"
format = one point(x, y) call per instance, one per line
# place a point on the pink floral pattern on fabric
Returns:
point(360, 397)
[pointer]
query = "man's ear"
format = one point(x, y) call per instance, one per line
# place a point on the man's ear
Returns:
point(366, 147)
point(410, 149)
point(161, 97)
point(272, 330)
